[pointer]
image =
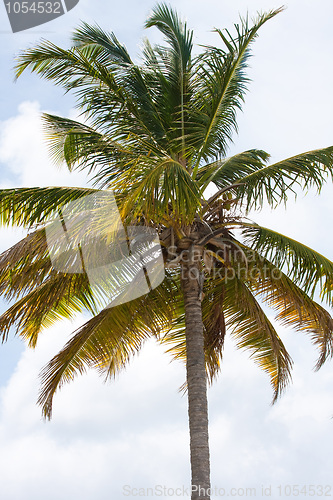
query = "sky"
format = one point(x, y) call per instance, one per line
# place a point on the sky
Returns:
point(109, 440)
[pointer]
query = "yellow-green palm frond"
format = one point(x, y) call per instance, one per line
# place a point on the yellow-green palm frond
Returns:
point(109, 161)
point(294, 306)
point(162, 186)
point(108, 341)
point(24, 266)
point(215, 327)
point(307, 268)
point(252, 330)
point(175, 338)
point(214, 332)
point(230, 307)
point(59, 296)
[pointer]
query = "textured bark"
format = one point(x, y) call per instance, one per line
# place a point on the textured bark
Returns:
point(196, 382)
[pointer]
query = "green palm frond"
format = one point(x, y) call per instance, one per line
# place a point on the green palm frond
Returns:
point(71, 68)
point(114, 55)
point(230, 170)
point(222, 84)
point(107, 93)
point(275, 182)
point(110, 51)
point(304, 266)
point(156, 69)
point(177, 61)
point(82, 146)
point(176, 32)
point(29, 206)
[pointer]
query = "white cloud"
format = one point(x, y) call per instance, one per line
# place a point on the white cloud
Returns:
point(23, 152)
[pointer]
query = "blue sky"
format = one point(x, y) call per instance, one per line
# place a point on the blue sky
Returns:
point(133, 431)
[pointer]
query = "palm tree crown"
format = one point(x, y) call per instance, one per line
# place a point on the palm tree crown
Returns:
point(157, 134)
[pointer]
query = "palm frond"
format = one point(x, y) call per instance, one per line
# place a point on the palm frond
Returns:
point(29, 206)
point(59, 296)
point(82, 147)
point(214, 333)
point(109, 87)
point(110, 51)
point(304, 266)
point(176, 32)
point(24, 266)
point(294, 306)
point(275, 182)
point(180, 39)
point(114, 55)
point(215, 328)
point(71, 68)
point(108, 341)
point(254, 332)
point(221, 82)
point(161, 186)
point(230, 170)
point(157, 133)
point(229, 307)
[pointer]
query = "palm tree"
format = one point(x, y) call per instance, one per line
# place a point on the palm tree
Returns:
point(156, 134)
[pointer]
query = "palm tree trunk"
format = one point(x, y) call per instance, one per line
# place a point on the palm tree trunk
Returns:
point(196, 382)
